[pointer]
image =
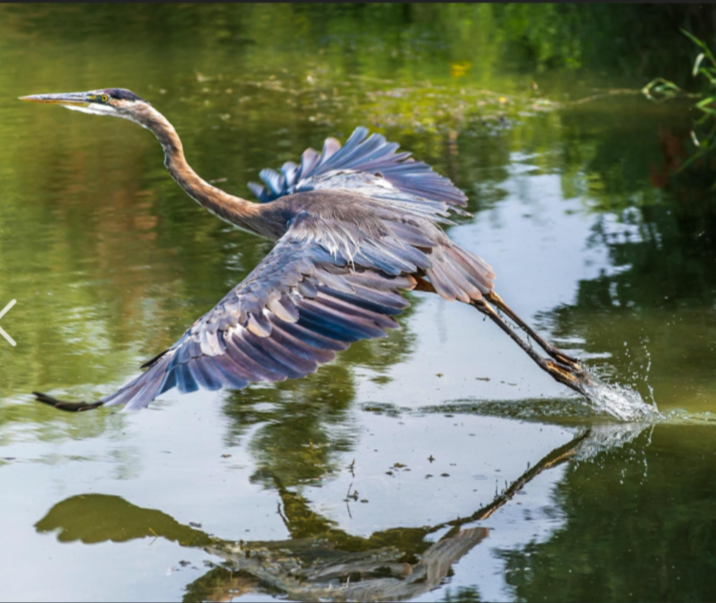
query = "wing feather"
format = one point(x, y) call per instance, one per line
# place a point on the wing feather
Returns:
point(297, 308)
point(372, 157)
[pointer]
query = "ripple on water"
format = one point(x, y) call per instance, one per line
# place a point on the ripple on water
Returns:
point(609, 436)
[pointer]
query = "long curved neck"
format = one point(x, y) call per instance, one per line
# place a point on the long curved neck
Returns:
point(235, 210)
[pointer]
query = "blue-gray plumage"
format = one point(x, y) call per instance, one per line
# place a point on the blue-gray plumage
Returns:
point(354, 226)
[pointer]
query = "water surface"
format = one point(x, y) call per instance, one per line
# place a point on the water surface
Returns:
point(437, 464)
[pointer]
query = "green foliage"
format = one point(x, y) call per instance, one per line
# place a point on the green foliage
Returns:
point(703, 135)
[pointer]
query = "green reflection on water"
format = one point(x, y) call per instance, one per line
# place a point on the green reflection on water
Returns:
point(110, 262)
point(97, 518)
point(651, 533)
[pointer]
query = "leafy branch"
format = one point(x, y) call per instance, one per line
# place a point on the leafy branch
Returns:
point(660, 90)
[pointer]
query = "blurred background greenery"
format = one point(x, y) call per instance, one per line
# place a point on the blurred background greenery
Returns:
point(580, 203)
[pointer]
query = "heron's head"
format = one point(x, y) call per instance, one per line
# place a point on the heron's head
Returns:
point(116, 102)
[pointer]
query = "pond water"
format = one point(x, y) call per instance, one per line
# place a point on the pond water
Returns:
point(437, 464)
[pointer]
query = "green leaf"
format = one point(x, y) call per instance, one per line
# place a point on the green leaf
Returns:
point(707, 101)
point(700, 44)
point(697, 63)
point(694, 39)
point(661, 86)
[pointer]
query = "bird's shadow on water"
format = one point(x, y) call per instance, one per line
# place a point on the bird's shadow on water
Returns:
point(320, 560)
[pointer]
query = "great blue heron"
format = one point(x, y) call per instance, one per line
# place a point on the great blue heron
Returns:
point(354, 227)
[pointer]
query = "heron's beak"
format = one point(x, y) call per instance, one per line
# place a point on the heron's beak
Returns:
point(73, 99)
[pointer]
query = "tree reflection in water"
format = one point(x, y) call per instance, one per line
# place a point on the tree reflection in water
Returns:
point(299, 428)
point(320, 561)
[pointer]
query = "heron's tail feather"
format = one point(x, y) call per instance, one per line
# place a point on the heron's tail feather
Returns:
point(458, 274)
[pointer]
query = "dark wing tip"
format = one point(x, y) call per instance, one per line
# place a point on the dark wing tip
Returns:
point(67, 406)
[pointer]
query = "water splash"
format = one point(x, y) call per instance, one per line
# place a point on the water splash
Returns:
point(620, 402)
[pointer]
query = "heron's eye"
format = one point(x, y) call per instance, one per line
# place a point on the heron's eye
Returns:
point(105, 98)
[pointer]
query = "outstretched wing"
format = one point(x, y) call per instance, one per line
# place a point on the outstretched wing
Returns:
point(404, 193)
point(298, 307)
point(367, 164)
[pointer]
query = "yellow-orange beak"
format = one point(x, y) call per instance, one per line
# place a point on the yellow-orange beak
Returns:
point(77, 99)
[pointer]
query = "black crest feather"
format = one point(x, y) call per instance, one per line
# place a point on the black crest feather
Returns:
point(122, 94)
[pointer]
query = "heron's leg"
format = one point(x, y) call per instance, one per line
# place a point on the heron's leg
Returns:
point(571, 375)
point(554, 352)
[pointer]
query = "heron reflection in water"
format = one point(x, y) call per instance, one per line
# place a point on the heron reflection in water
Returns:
point(354, 226)
point(318, 560)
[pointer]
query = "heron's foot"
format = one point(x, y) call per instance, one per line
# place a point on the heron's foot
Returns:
point(565, 359)
point(572, 376)
point(67, 406)
point(551, 350)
